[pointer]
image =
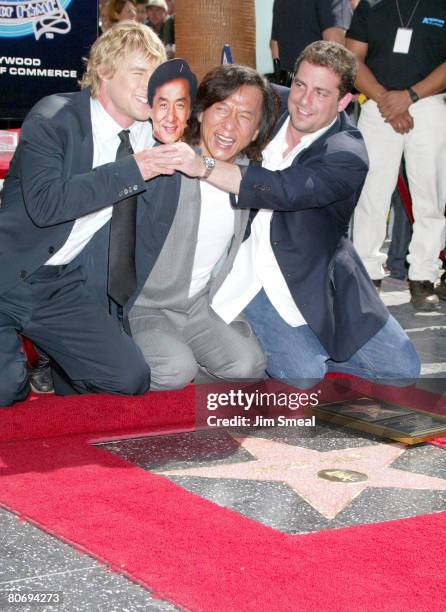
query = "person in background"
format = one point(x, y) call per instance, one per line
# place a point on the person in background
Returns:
point(401, 49)
point(121, 10)
point(104, 21)
point(297, 24)
point(156, 16)
point(169, 30)
point(141, 11)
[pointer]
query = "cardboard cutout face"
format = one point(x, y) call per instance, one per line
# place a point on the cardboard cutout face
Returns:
point(170, 110)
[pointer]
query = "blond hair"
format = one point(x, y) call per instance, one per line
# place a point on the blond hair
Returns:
point(108, 50)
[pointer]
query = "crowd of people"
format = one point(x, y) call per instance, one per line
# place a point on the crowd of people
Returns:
point(156, 231)
point(159, 15)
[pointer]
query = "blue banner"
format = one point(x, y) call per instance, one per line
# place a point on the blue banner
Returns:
point(42, 43)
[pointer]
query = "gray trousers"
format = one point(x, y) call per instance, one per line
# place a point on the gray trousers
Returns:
point(181, 345)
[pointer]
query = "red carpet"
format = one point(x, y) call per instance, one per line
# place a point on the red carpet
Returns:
point(185, 549)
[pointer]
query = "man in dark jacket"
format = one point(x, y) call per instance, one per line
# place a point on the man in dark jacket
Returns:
point(73, 168)
point(297, 278)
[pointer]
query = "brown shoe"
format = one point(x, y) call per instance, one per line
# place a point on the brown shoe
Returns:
point(423, 296)
point(440, 289)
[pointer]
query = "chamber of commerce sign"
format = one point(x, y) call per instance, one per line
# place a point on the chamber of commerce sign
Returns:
point(42, 43)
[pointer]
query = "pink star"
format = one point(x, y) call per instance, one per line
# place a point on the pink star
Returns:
point(298, 467)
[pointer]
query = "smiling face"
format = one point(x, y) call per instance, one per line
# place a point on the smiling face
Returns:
point(156, 15)
point(227, 127)
point(314, 100)
point(124, 94)
point(170, 110)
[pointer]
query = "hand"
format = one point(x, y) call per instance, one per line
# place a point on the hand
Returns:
point(403, 123)
point(180, 156)
point(393, 103)
point(148, 162)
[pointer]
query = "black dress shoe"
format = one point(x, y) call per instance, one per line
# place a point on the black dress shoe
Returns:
point(440, 289)
point(423, 296)
point(40, 375)
point(378, 284)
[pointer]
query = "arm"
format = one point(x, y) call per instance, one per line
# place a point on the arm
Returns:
point(402, 121)
point(334, 35)
point(326, 179)
point(180, 156)
point(323, 181)
point(365, 80)
point(394, 103)
point(273, 43)
point(52, 194)
point(274, 46)
point(334, 19)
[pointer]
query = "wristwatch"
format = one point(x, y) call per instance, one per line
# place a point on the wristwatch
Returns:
point(209, 164)
point(413, 95)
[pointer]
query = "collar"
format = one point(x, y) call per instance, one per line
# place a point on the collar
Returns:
point(273, 153)
point(106, 129)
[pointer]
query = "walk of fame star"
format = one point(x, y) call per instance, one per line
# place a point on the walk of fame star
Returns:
point(298, 468)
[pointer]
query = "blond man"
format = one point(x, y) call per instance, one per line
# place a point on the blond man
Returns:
point(69, 202)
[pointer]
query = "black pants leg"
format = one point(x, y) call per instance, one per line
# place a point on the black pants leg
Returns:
point(55, 310)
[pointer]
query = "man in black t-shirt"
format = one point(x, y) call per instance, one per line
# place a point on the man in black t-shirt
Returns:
point(296, 24)
point(401, 48)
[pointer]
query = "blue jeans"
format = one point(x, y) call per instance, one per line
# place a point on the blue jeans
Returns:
point(295, 354)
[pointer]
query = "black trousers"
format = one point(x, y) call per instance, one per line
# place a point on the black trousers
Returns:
point(55, 309)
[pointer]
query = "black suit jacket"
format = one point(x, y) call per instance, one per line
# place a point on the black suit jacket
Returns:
point(313, 201)
point(51, 183)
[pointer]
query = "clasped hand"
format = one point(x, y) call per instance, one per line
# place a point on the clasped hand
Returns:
point(393, 106)
point(166, 159)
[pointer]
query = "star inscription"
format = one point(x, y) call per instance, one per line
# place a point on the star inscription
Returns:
point(298, 468)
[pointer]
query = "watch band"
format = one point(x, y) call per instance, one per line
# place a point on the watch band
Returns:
point(209, 164)
point(413, 95)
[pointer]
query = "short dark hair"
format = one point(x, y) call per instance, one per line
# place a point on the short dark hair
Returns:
point(170, 71)
point(222, 81)
point(334, 56)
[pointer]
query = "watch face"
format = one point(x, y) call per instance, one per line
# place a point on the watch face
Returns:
point(209, 162)
point(413, 95)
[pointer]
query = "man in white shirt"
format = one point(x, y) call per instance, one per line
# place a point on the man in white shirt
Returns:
point(171, 320)
point(297, 277)
point(82, 158)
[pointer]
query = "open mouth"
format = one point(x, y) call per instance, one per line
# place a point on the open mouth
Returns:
point(170, 129)
point(224, 142)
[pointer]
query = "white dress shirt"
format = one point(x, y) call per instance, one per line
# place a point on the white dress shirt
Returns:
point(215, 231)
point(105, 145)
point(255, 265)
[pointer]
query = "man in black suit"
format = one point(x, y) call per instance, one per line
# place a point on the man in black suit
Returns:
point(297, 277)
point(73, 168)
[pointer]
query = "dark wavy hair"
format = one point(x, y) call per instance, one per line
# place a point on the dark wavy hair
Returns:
point(222, 81)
